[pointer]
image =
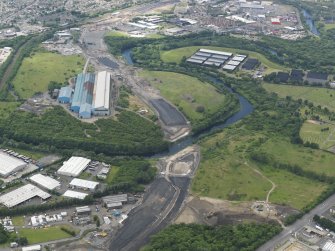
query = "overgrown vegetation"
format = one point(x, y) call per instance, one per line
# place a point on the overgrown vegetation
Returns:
point(199, 237)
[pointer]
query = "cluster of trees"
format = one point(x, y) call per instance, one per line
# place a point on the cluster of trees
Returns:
point(324, 222)
point(68, 231)
point(128, 134)
point(199, 237)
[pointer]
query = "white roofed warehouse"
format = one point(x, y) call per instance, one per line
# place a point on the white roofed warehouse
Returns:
point(84, 184)
point(74, 166)
point(22, 194)
point(102, 93)
point(10, 164)
point(45, 181)
point(75, 195)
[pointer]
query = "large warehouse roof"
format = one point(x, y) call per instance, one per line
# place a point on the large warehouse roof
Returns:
point(22, 194)
point(216, 52)
point(101, 93)
point(9, 164)
point(45, 181)
point(75, 195)
point(83, 92)
point(74, 166)
point(84, 183)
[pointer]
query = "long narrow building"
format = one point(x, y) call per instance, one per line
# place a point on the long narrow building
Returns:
point(102, 93)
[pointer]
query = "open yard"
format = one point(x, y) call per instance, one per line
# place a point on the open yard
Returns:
point(44, 234)
point(319, 96)
point(177, 55)
point(321, 134)
point(194, 98)
point(226, 172)
point(39, 69)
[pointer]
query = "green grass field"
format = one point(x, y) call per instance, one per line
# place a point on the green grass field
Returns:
point(177, 55)
point(111, 175)
point(38, 70)
point(314, 134)
point(7, 108)
point(18, 221)
point(44, 234)
point(224, 174)
point(186, 92)
point(314, 160)
point(116, 34)
point(319, 96)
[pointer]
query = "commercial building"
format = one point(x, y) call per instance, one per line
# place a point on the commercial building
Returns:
point(45, 181)
point(83, 92)
point(23, 194)
point(65, 95)
point(84, 184)
point(75, 195)
point(74, 166)
point(10, 164)
point(102, 93)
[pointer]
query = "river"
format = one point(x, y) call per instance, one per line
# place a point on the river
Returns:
point(310, 22)
point(246, 108)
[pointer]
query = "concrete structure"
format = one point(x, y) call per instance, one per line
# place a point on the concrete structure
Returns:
point(10, 164)
point(84, 184)
point(75, 195)
point(102, 93)
point(74, 166)
point(65, 95)
point(22, 194)
point(45, 181)
point(32, 248)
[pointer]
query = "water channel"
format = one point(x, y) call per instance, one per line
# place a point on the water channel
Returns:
point(310, 22)
point(246, 108)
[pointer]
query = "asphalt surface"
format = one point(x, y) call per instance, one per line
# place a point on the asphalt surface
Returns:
point(161, 203)
point(167, 113)
point(288, 231)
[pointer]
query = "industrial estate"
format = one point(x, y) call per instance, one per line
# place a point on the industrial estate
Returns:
point(167, 125)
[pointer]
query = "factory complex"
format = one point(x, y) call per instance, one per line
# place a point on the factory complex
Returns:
point(225, 60)
point(90, 96)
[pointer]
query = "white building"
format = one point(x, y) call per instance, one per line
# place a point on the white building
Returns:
point(101, 94)
point(74, 166)
point(10, 164)
point(45, 181)
point(75, 195)
point(84, 184)
point(329, 246)
point(32, 248)
point(22, 194)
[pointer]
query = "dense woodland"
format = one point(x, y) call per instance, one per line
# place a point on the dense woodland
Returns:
point(198, 237)
point(128, 134)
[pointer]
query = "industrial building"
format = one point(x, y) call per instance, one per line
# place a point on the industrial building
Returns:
point(250, 64)
point(74, 166)
point(83, 92)
point(282, 77)
point(115, 201)
point(10, 164)
point(45, 181)
point(75, 194)
point(32, 248)
point(317, 77)
point(22, 194)
point(102, 93)
point(84, 184)
point(85, 210)
point(297, 76)
point(65, 95)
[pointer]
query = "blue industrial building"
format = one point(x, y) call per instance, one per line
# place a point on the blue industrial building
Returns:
point(65, 94)
point(85, 111)
point(83, 95)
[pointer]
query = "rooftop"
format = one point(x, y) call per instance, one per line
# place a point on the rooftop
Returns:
point(84, 183)
point(45, 181)
point(75, 195)
point(9, 164)
point(74, 166)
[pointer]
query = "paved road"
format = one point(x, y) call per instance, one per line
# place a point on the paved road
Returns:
point(286, 233)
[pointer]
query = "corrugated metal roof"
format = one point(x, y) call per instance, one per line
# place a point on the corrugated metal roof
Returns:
point(65, 92)
point(45, 181)
point(74, 166)
point(9, 164)
point(75, 194)
point(83, 92)
point(84, 183)
point(101, 93)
